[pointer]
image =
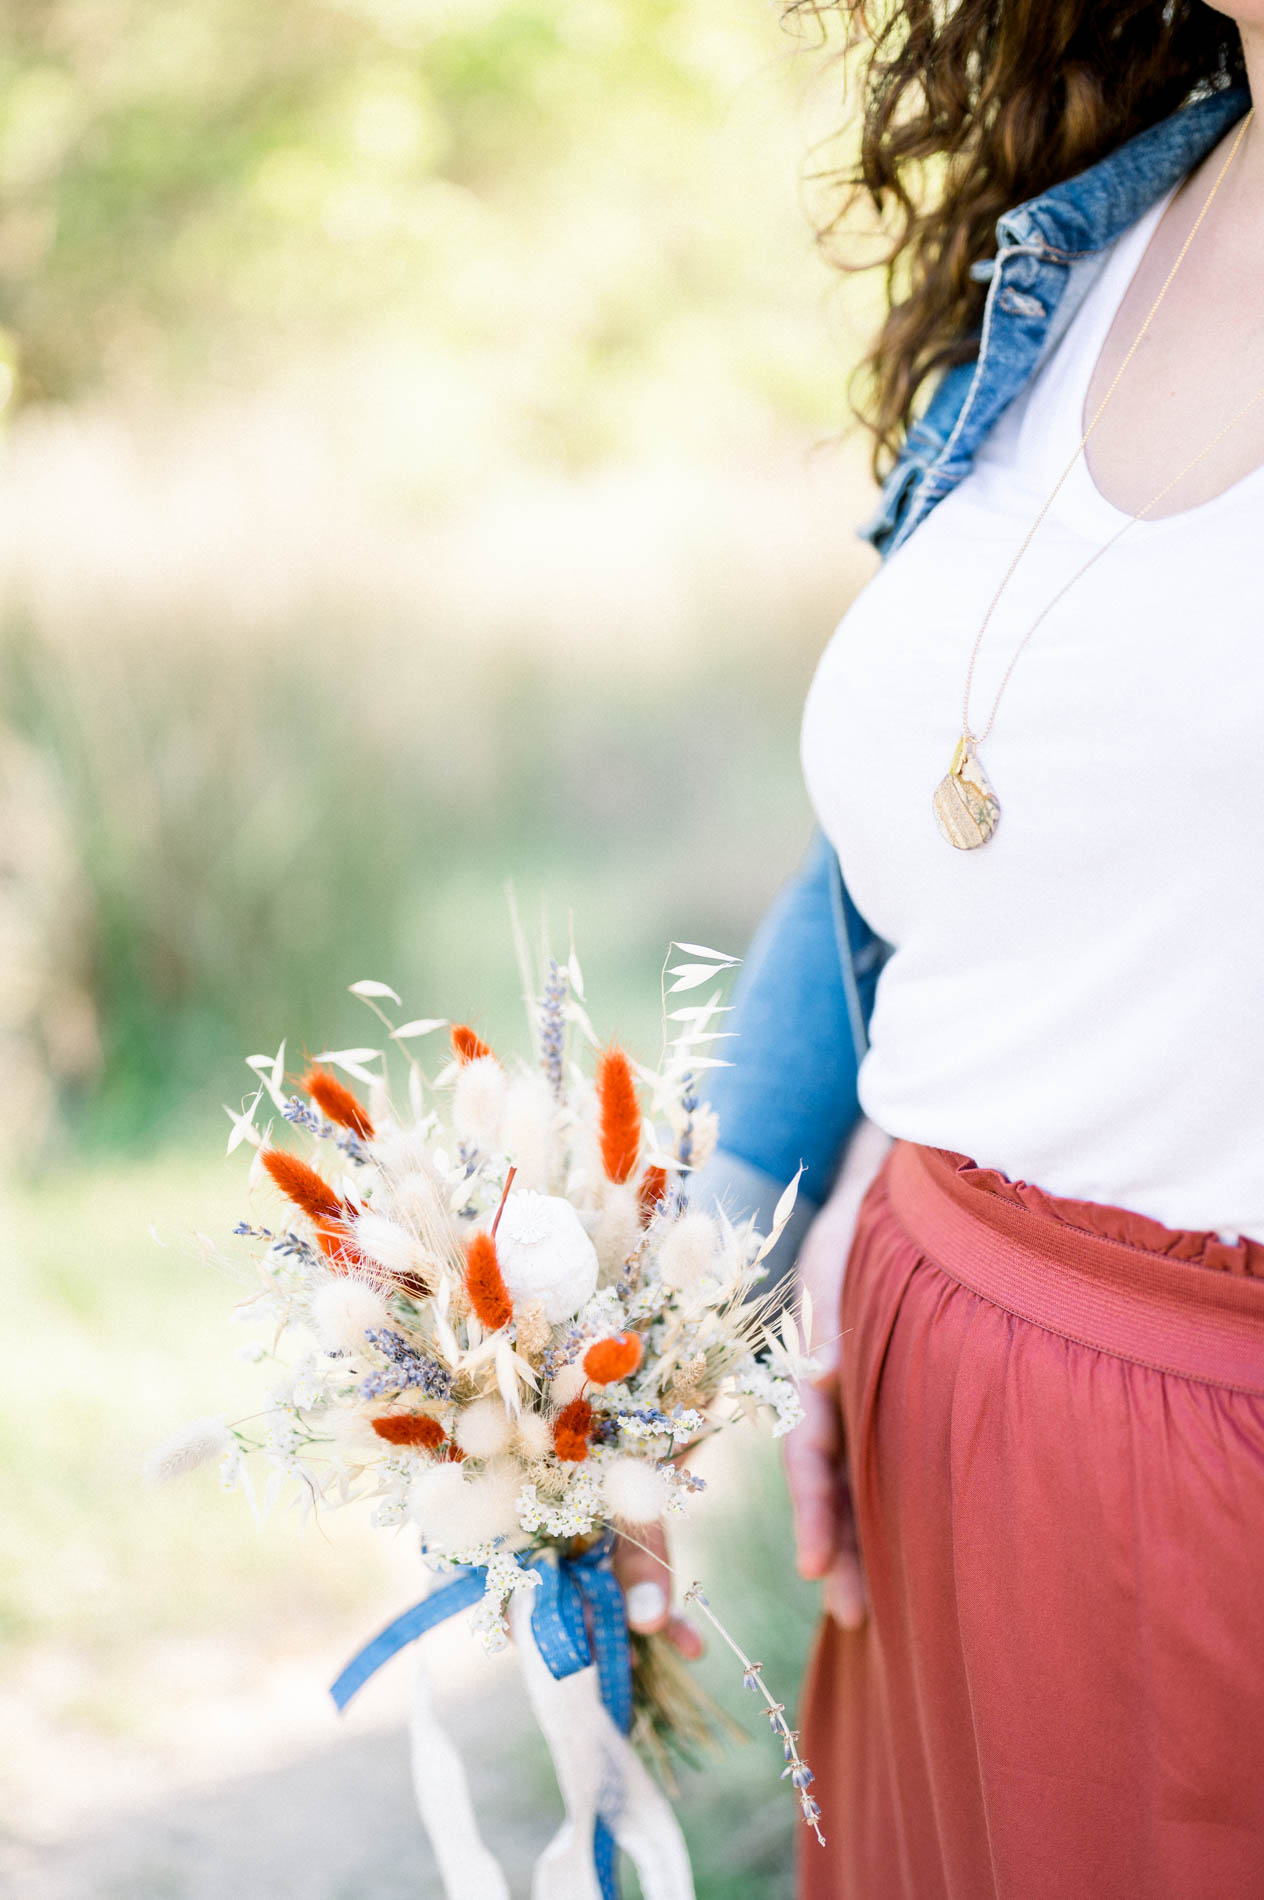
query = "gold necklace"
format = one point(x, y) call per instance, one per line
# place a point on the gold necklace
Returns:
point(966, 808)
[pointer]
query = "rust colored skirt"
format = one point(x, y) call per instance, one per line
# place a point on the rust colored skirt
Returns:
point(1055, 1414)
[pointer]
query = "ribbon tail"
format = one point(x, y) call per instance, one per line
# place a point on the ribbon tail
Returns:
point(648, 1832)
point(465, 1589)
point(468, 1869)
point(609, 1794)
point(565, 1708)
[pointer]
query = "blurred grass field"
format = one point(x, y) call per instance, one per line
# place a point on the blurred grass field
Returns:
point(419, 474)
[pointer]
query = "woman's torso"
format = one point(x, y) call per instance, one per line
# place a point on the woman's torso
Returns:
point(1073, 1004)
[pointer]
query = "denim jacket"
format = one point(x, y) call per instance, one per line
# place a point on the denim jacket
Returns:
point(805, 993)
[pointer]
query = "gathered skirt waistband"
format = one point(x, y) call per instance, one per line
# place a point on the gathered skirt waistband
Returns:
point(1177, 1300)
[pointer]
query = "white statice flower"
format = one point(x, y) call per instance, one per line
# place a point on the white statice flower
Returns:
point(650, 1297)
point(572, 1515)
point(194, 1445)
point(310, 1389)
point(505, 1575)
point(660, 1433)
point(478, 1103)
point(505, 1578)
point(231, 1467)
point(282, 1443)
point(753, 1379)
point(491, 1626)
point(394, 1475)
point(253, 1353)
point(545, 1255)
point(604, 1313)
point(678, 1490)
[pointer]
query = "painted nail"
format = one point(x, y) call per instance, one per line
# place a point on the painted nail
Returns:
point(647, 1605)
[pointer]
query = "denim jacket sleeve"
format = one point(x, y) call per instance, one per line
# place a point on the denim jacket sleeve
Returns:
point(790, 1095)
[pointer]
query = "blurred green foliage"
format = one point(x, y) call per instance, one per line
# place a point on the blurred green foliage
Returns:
point(190, 187)
point(406, 497)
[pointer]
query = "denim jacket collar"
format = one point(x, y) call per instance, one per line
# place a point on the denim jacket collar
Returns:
point(1088, 212)
point(1047, 251)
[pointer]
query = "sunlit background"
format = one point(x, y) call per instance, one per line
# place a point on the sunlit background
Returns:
point(421, 470)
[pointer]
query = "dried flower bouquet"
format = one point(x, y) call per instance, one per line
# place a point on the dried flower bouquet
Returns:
point(501, 1321)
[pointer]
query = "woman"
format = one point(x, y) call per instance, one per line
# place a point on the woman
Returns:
point(1042, 1671)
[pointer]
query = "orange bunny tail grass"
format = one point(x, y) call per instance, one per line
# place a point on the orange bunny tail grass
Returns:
point(620, 1115)
point(489, 1296)
point(613, 1359)
point(302, 1185)
point(415, 1429)
point(572, 1429)
point(467, 1045)
point(651, 1191)
point(336, 1102)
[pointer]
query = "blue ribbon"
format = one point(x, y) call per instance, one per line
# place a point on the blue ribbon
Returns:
point(561, 1632)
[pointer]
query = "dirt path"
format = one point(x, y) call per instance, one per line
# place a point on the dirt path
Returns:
point(271, 1796)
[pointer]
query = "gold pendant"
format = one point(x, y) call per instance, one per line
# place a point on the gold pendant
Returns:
point(966, 808)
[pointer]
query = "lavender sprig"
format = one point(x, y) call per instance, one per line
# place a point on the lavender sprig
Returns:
point(552, 1026)
point(408, 1367)
point(300, 1115)
point(292, 1245)
point(796, 1769)
point(688, 1105)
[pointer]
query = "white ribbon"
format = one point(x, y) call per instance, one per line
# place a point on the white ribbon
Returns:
point(598, 1772)
point(468, 1869)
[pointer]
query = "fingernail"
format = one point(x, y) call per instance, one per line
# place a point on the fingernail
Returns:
point(647, 1605)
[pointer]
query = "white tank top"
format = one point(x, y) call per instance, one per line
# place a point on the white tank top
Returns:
point(1080, 1002)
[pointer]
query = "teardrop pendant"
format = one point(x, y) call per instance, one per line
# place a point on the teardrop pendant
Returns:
point(967, 810)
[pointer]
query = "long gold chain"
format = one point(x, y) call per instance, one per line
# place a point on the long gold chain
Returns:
point(971, 738)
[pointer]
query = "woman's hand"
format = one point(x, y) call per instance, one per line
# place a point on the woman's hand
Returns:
point(646, 1584)
point(816, 1450)
point(820, 1496)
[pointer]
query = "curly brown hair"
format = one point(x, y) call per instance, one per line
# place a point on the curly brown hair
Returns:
point(969, 107)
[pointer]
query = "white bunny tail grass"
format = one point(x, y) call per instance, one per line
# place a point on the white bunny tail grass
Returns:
point(636, 1492)
point(344, 1310)
point(194, 1445)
